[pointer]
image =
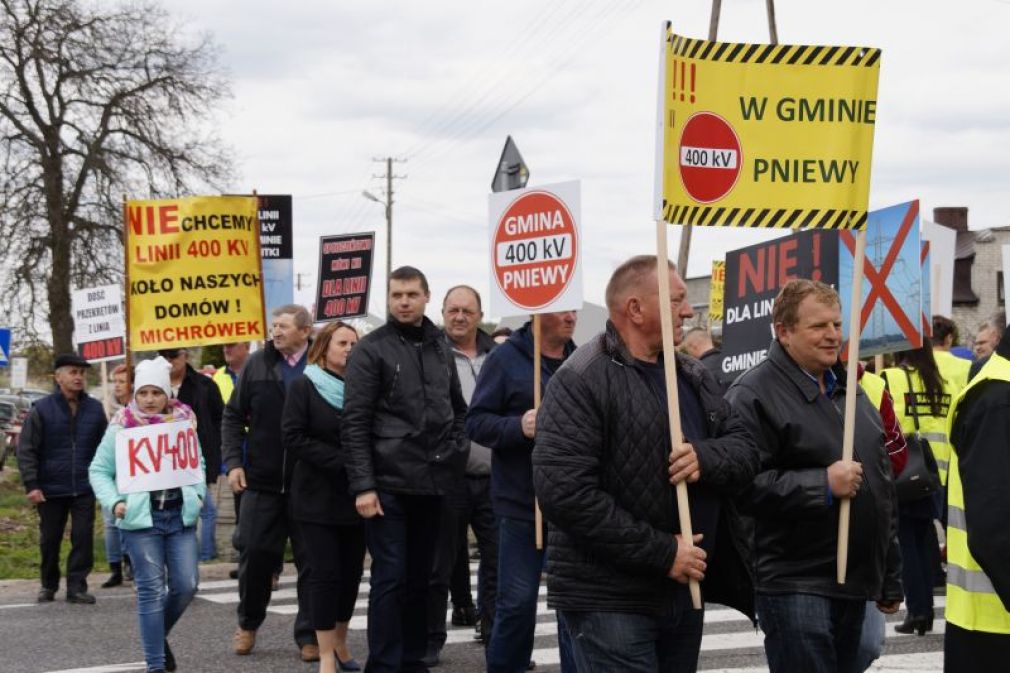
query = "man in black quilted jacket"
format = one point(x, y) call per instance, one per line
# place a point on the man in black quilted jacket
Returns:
point(604, 470)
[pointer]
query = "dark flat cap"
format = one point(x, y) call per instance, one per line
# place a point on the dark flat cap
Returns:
point(70, 360)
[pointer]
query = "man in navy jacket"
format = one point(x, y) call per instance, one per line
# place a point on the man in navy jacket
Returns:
point(56, 447)
point(502, 417)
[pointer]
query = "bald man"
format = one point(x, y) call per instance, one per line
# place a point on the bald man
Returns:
point(698, 344)
point(604, 472)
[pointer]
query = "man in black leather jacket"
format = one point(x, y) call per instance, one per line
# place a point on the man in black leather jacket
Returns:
point(603, 468)
point(403, 434)
point(793, 404)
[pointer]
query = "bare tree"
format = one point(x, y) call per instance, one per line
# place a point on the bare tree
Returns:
point(97, 100)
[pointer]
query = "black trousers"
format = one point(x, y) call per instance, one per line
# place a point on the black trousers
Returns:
point(53, 515)
point(263, 530)
point(967, 651)
point(473, 509)
point(335, 556)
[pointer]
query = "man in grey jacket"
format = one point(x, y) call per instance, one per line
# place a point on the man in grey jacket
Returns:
point(471, 504)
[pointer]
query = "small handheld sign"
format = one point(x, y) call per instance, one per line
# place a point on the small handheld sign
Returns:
point(535, 248)
point(157, 457)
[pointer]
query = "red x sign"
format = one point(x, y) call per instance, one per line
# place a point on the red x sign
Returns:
point(878, 280)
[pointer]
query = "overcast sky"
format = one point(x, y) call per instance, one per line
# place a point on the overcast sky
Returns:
point(323, 86)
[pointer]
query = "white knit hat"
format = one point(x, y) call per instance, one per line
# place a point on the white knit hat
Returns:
point(155, 373)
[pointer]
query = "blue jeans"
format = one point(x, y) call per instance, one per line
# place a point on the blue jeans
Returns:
point(165, 553)
point(616, 642)
point(519, 568)
point(402, 545)
point(808, 633)
point(113, 537)
point(208, 522)
point(871, 640)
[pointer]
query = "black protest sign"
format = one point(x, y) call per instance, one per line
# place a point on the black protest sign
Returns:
point(754, 276)
point(345, 271)
point(275, 226)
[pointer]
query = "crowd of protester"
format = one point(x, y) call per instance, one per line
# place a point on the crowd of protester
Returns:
point(402, 441)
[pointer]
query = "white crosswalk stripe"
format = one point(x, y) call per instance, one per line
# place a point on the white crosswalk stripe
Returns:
point(729, 635)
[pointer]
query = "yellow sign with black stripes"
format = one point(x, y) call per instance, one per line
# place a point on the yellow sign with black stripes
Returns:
point(758, 135)
point(716, 291)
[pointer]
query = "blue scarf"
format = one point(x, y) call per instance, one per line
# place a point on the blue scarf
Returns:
point(328, 385)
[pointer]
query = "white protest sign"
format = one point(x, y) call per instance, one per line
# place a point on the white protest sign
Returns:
point(536, 244)
point(99, 328)
point(19, 373)
point(158, 456)
point(942, 242)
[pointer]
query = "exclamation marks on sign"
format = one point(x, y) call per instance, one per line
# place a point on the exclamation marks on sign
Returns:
point(238, 305)
point(816, 274)
point(683, 81)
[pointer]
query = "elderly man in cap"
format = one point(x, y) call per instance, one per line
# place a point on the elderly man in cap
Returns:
point(56, 446)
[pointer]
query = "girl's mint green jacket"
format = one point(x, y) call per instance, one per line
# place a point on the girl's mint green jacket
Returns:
point(102, 473)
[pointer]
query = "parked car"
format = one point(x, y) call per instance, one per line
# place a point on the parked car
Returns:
point(34, 394)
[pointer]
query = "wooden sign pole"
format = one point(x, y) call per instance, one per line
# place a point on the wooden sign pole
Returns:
point(851, 381)
point(672, 399)
point(538, 517)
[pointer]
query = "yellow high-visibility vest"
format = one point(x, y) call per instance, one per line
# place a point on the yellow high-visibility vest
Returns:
point(873, 386)
point(932, 428)
point(972, 602)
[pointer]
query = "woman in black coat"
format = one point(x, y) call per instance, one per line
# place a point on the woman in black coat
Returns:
point(332, 532)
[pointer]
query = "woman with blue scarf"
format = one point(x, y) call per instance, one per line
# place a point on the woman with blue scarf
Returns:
point(159, 527)
point(323, 510)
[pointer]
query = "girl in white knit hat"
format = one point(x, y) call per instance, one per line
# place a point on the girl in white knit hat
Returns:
point(159, 527)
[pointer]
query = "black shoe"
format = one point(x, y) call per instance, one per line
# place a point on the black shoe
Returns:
point(46, 595)
point(116, 578)
point(431, 656)
point(464, 615)
point(919, 625)
point(81, 598)
point(531, 666)
point(233, 574)
point(169, 659)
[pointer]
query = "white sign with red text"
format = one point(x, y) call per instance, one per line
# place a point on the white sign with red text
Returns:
point(535, 249)
point(157, 457)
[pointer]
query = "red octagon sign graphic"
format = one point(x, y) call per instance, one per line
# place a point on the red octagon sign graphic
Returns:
point(534, 250)
point(710, 157)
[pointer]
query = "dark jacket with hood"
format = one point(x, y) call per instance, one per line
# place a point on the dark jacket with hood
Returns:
point(403, 412)
point(253, 415)
point(504, 393)
point(799, 432)
point(202, 395)
point(600, 471)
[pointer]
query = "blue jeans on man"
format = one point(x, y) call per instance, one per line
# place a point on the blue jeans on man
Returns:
point(208, 524)
point(810, 633)
point(402, 545)
point(618, 642)
point(520, 565)
point(164, 554)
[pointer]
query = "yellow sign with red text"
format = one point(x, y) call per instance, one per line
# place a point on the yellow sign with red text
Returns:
point(759, 135)
point(193, 266)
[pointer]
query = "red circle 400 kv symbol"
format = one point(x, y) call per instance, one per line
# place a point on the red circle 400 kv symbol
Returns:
point(710, 157)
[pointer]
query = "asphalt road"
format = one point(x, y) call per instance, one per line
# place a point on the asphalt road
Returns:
point(103, 638)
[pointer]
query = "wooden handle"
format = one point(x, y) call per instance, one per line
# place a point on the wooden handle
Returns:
point(538, 517)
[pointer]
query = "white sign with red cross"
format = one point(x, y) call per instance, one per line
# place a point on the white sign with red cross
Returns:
point(536, 242)
point(157, 457)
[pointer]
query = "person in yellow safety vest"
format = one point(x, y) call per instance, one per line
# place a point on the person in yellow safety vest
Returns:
point(978, 539)
point(874, 636)
point(922, 399)
point(952, 368)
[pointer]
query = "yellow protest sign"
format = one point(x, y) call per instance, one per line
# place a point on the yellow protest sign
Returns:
point(758, 135)
point(193, 266)
point(716, 291)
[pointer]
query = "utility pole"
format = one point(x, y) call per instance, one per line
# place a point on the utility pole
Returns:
point(388, 205)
